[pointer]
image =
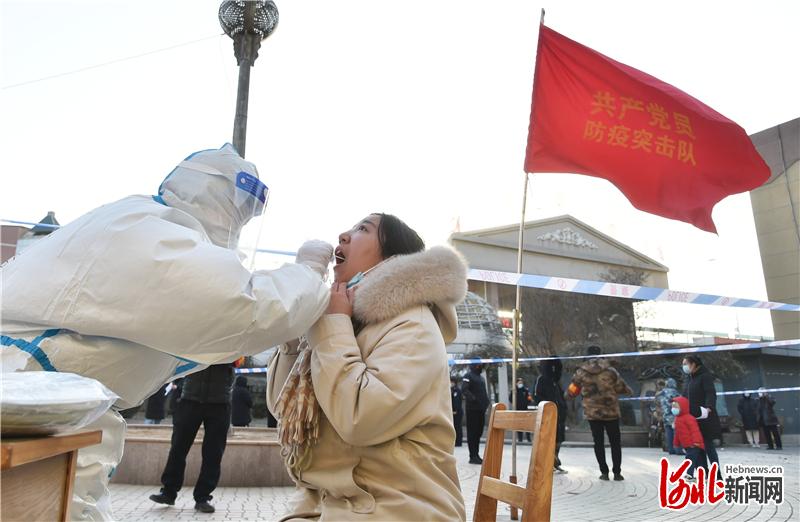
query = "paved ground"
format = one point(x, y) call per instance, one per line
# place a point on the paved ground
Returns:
point(577, 496)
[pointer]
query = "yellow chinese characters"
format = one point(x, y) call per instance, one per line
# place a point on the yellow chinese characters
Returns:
point(660, 132)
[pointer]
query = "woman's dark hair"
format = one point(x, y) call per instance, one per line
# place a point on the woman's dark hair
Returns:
point(694, 360)
point(397, 238)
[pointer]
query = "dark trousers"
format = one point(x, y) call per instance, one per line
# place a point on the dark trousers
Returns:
point(773, 434)
point(612, 428)
point(711, 455)
point(557, 461)
point(698, 458)
point(475, 422)
point(458, 419)
point(188, 417)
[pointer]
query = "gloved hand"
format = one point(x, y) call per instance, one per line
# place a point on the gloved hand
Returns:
point(316, 255)
point(703, 412)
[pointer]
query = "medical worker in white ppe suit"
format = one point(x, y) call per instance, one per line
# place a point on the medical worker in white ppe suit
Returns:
point(149, 288)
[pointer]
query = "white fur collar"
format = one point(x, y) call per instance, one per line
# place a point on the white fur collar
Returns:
point(436, 276)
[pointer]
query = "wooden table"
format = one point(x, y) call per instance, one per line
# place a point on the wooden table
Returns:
point(37, 475)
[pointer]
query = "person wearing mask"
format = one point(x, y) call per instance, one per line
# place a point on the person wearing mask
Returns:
point(241, 403)
point(663, 401)
point(600, 385)
point(687, 435)
point(458, 408)
point(548, 388)
point(748, 411)
point(149, 288)
point(523, 399)
point(473, 386)
point(768, 420)
point(205, 400)
point(363, 400)
point(155, 410)
point(702, 395)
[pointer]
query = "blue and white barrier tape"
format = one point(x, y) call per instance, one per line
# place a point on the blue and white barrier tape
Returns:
point(791, 344)
point(582, 286)
point(738, 392)
point(251, 370)
point(645, 293)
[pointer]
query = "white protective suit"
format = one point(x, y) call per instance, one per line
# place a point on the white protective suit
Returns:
point(147, 289)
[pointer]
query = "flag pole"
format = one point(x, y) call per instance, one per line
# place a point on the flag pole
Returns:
point(517, 315)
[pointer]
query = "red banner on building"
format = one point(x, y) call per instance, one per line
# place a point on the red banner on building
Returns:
point(670, 154)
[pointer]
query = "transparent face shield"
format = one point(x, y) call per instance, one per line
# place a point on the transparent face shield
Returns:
point(251, 197)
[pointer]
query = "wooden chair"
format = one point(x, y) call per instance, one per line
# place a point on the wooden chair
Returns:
point(534, 499)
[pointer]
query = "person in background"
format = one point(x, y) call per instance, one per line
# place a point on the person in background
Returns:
point(748, 410)
point(702, 395)
point(687, 435)
point(154, 411)
point(205, 399)
point(548, 388)
point(600, 385)
point(473, 386)
point(458, 408)
point(768, 420)
point(523, 399)
point(241, 403)
point(663, 401)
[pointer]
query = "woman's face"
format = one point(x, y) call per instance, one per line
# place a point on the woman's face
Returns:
point(358, 250)
point(690, 364)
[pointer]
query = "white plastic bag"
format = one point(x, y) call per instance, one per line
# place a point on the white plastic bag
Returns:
point(43, 403)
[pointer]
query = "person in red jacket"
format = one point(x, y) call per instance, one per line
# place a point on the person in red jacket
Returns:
point(688, 436)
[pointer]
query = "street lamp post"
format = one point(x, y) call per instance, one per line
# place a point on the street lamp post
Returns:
point(247, 22)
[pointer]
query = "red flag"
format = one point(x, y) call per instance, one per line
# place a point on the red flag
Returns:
point(669, 153)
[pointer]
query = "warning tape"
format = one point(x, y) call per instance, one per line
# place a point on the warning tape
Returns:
point(580, 286)
point(738, 392)
point(644, 293)
point(793, 344)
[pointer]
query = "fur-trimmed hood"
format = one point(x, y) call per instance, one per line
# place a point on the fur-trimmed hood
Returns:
point(436, 277)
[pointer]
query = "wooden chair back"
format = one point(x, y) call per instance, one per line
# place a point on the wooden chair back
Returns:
point(535, 498)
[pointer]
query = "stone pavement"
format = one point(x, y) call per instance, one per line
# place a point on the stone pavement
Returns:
point(577, 496)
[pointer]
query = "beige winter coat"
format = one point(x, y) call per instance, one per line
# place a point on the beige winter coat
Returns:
point(385, 449)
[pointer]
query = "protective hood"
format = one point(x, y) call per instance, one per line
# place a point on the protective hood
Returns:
point(219, 189)
point(683, 402)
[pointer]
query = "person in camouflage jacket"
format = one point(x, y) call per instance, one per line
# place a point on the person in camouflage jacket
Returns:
point(663, 402)
point(599, 384)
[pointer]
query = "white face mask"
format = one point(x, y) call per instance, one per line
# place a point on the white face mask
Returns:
point(686, 369)
point(519, 385)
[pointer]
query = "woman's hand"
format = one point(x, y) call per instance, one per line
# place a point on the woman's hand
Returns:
point(341, 299)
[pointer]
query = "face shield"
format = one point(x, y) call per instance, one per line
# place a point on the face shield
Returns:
point(219, 189)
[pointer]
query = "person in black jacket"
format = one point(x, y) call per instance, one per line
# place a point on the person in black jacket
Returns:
point(548, 388)
point(458, 408)
point(699, 389)
point(473, 386)
point(241, 403)
point(154, 411)
point(768, 419)
point(523, 399)
point(748, 409)
point(205, 399)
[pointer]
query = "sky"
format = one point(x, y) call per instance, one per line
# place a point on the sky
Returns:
point(417, 108)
